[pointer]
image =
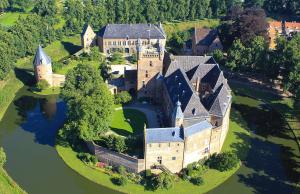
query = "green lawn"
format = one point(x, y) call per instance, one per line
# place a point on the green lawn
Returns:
point(128, 121)
point(7, 185)
point(61, 49)
point(10, 18)
point(171, 27)
point(48, 91)
point(74, 63)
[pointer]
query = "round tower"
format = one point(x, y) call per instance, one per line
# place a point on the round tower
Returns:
point(42, 66)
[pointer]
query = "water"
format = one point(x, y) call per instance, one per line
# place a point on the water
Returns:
point(28, 130)
point(27, 133)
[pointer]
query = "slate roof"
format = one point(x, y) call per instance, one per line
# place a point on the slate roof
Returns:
point(186, 62)
point(205, 36)
point(163, 135)
point(196, 128)
point(130, 75)
point(179, 88)
point(132, 31)
point(218, 103)
point(182, 71)
point(41, 58)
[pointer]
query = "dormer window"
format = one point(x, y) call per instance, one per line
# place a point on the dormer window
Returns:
point(194, 111)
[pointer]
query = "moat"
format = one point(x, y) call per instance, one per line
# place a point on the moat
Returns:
point(29, 127)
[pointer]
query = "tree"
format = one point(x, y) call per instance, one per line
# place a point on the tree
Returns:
point(218, 56)
point(20, 5)
point(122, 97)
point(115, 143)
point(89, 102)
point(287, 56)
point(244, 25)
point(223, 161)
point(3, 5)
point(254, 3)
point(164, 181)
point(2, 157)
point(45, 8)
point(236, 56)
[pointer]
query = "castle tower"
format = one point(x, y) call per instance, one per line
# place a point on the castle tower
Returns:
point(88, 38)
point(42, 66)
point(177, 116)
point(149, 65)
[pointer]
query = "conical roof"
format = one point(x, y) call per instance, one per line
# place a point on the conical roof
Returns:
point(41, 58)
point(177, 114)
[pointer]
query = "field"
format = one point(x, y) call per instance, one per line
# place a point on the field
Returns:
point(10, 18)
point(172, 27)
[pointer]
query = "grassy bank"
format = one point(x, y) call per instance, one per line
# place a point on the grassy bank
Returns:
point(7, 185)
point(282, 105)
point(8, 89)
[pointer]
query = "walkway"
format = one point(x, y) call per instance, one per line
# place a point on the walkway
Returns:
point(148, 109)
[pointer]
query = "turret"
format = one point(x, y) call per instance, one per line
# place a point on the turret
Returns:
point(42, 66)
point(177, 116)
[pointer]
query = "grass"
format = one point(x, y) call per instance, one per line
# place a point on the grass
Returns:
point(73, 63)
point(61, 49)
point(282, 105)
point(172, 27)
point(10, 18)
point(8, 90)
point(48, 91)
point(7, 185)
point(128, 121)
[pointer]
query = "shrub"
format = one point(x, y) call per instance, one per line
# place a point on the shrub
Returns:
point(2, 157)
point(42, 85)
point(164, 181)
point(223, 161)
point(122, 97)
point(121, 170)
point(56, 67)
point(119, 180)
point(197, 180)
point(116, 143)
point(148, 173)
point(120, 145)
point(87, 158)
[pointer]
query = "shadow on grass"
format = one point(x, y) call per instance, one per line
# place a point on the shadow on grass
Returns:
point(26, 76)
point(70, 47)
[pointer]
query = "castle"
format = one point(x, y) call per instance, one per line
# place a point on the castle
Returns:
point(191, 91)
point(43, 69)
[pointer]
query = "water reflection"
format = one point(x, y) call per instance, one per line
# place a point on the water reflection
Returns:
point(27, 133)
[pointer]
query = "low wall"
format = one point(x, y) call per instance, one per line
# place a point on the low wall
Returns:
point(116, 159)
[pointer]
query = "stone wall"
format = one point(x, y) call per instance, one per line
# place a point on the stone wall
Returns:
point(167, 154)
point(196, 147)
point(116, 159)
point(127, 45)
